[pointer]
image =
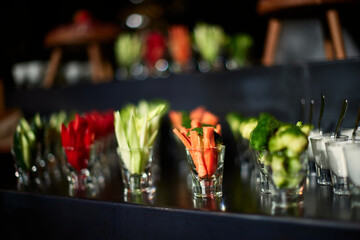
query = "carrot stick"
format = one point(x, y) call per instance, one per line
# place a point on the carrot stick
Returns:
point(209, 118)
point(183, 138)
point(197, 113)
point(195, 123)
point(184, 132)
point(197, 154)
point(175, 118)
point(218, 129)
point(210, 156)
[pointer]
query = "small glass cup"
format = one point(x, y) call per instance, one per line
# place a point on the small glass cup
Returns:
point(311, 169)
point(287, 177)
point(27, 174)
point(137, 168)
point(319, 151)
point(81, 181)
point(209, 186)
point(338, 169)
point(352, 159)
point(263, 171)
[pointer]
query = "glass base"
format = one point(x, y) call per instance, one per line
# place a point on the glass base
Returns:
point(207, 188)
point(285, 198)
point(340, 185)
point(81, 184)
point(138, 183)
point(323, 176)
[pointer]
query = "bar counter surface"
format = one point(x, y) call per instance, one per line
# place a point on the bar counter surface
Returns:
point(172, 213)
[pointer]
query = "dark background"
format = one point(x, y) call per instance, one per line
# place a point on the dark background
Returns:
point(24, 24)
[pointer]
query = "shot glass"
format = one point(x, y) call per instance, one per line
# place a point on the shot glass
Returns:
point(352, 157)
point(287, 179)
point(137, 169)
point(319, 151)
point(209, 184)
point(337, 163)
point(311, 169)
point(80, 173)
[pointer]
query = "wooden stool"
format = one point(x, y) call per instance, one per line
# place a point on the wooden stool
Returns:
point(83, 32)
point(274, 8)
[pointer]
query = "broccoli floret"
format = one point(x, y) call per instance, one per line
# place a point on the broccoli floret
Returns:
point(266, 127)
point(279, 170)
point(247, 126)
point(292, 140)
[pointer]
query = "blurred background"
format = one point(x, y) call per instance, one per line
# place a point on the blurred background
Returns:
point(24, 25)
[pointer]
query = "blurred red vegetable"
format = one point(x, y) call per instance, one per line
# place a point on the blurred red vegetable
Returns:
point(77, 139)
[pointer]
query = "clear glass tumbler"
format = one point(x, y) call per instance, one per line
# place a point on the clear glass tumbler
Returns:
point(137, 168)
point(287, 179)
point(207, 185)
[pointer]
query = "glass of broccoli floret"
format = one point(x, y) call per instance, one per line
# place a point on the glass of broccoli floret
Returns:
point(287, 164)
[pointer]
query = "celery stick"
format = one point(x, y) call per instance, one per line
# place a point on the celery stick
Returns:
point(134, 143)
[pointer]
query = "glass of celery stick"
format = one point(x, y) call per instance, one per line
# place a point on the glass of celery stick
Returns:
point(137, 166)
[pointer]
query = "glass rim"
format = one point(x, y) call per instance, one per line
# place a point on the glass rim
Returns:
point(352, 145)
point(345, 142)
point(329, 135)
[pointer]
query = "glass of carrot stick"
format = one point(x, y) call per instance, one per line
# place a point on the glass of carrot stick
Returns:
point(205, 155)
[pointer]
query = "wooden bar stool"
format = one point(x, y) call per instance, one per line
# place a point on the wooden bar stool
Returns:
point(275, 8)
point(84, 31)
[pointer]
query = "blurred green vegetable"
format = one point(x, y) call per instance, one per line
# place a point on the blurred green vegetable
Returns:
point(209, 40)
point(128, 47)
point(25, 144)
point(238, 48)
point(266, 127)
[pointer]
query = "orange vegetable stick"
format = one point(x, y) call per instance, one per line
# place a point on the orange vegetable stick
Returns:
point(210, 156)
point(209, 118)
point(197, 113)
point(195, 123)
point(175, 118)
point(197, 154)
point(184, 131)
point(218, 129)
point(183, 138)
